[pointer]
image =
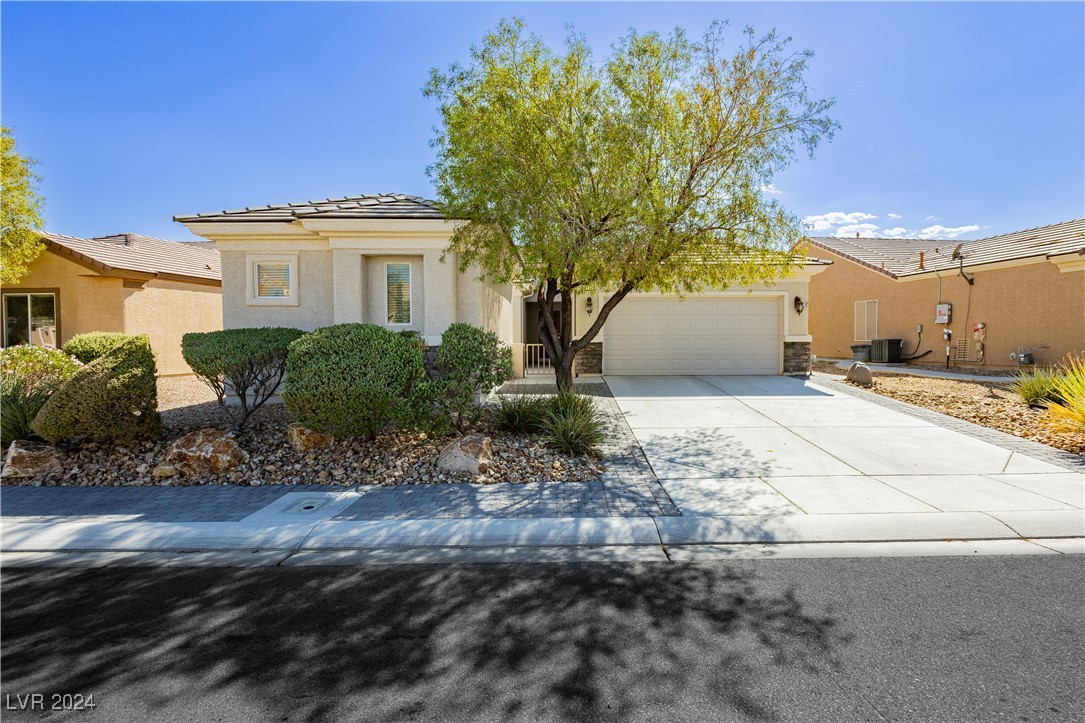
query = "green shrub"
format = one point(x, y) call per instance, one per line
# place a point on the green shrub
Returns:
point(93, 345)
point(471, 362)
point(112, 398)
point(521, 413)
point(352, 379)
point(1067, 412)
point(573, 424)
point(1037, 386)
point(248, 363)
point(28, 377)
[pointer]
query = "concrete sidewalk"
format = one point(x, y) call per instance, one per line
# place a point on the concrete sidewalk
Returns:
point(698, 468)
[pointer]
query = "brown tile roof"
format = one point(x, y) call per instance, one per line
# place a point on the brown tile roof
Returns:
point(900, 257)
point(380, 205)
point(141, 255)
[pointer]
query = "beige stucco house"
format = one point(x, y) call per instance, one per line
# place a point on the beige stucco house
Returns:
point(378, 259)
point(125, 283)
point(1027, 289)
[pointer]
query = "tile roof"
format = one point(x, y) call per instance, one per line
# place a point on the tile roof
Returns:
point(380, 205)
point(133, 252)
point(900, 257)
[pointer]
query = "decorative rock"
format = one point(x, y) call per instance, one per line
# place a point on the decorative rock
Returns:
point(30, 459)
point(472, 454)
point(860, 374)
point(302, 439)
point(207, 451)
point(165, 470)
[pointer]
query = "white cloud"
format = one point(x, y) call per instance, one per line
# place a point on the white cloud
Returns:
point(894, 216)
point(931, 218)
point(937, 231)
point(867, 230)
point(771, 189)
point(826, 221)
point(896, 232)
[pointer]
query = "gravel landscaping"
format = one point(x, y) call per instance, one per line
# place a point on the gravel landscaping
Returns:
point(990, 404)
point(187, 404)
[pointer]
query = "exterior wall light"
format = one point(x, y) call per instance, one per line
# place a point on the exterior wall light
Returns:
point(588, 305)
point(800, 305)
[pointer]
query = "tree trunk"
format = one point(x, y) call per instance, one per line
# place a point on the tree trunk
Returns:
point(563, 372)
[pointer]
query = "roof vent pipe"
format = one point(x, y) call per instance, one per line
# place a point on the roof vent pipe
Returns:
point(920, 260)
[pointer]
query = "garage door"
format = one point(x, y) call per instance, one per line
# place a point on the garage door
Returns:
point(695, 336)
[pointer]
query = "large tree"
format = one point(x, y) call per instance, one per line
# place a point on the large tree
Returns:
point(646, 171)
point(20, 212)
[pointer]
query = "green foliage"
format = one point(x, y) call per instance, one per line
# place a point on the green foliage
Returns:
point(1066, 411)
point(20, 211)
point(115, 397)
point(353, 379)
point(28, 377)
point(573, 424)
point(471, 362)
point(94, 345)
point(1036, 386)
point(642, 171)
point(521, 413)
point(248, 363)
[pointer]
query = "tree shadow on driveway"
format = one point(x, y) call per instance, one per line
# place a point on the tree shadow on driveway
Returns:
point(570, 642)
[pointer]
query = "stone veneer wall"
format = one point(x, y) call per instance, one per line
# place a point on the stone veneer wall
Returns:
point(590, 359)
point(796, 357)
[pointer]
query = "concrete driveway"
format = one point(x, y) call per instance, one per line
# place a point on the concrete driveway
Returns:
point(726, 446)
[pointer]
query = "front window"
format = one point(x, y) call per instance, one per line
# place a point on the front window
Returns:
point(273, 280)
point(30, 318)
point(398, 277)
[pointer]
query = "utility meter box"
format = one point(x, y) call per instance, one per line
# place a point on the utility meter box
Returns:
point(941, 313)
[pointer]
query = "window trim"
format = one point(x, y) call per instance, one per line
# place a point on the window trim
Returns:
point(16, 291)
point(866, 320)
point(251, 262)
point(410, 294)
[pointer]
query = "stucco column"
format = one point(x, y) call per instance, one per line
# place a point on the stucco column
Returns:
point(348, 270)
point(439, 285)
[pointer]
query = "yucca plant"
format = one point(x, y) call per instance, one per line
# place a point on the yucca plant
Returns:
point(1067, 413)
point(521, 413)
point(573, 424)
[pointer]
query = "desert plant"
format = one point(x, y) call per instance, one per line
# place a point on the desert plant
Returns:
point(93, 345)
point(352, 379)
point(1036, 386)
point(573, 424)
point(471, 363)
point(113, 398)
point(28, 377)
point(1066, 412)
point(246, 363)
point(521, 413)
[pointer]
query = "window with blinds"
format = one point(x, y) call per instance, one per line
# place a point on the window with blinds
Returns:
point(273, 280)
point(398, 277)
point(866, 320)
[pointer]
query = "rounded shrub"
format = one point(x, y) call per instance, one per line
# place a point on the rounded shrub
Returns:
point(28, 377)
point(94, 345)
point(246, 363)
point(471, 362)
point(112, 398)
point(352, 379)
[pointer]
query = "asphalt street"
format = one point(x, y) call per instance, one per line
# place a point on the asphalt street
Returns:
point(932, 639)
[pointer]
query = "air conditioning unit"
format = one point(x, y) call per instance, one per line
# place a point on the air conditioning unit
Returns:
point(885, 351)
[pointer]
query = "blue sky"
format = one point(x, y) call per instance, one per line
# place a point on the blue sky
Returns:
point(960, 120)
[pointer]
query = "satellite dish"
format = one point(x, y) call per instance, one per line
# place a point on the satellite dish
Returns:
point(957, 252)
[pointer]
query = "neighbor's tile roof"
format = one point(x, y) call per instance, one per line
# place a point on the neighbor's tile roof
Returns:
point(900, 257)
point(379, 205)
point(142, 254)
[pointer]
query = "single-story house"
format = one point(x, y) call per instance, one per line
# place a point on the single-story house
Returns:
point(377, 259)
point(997, 296)
point(124, 283)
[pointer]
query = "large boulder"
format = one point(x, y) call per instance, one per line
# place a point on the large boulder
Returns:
point(207, 451)
point(30, 459)
point(859, 373)
point(301, 438)
point(472, 454)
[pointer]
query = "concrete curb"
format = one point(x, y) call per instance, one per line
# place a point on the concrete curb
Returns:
point(144, 536)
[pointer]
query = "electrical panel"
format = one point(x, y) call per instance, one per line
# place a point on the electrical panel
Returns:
point(941, 313)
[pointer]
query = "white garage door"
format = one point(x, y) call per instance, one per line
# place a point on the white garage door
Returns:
point(695, 336)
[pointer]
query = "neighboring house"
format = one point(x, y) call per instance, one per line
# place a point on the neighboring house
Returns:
point(1028, 291)
point(127, 283)
point(378, 259)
